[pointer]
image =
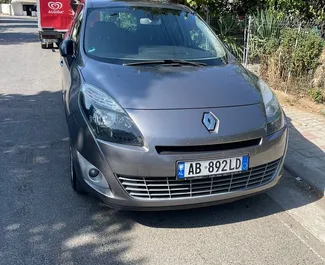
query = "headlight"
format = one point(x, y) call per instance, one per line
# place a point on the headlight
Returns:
point(107, 119)
point(274, 114)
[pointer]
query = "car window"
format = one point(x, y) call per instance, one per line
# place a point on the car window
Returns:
point(120, 35)
point(76, 29)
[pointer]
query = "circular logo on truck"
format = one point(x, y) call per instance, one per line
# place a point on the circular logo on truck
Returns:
point(55, 5)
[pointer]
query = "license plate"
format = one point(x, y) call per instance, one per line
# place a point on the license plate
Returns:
point(211, 167)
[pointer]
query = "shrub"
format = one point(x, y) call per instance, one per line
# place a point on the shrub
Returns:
point(265, 32)
point(316, 95)
point(319, 75)
point(300, 51)
point(292, 65)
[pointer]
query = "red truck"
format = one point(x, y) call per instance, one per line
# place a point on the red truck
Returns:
point(54, 20)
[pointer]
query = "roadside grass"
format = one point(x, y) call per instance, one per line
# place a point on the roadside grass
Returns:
point(294, 93)
point(300, 102)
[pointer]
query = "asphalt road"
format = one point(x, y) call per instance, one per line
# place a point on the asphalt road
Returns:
point(43, 222)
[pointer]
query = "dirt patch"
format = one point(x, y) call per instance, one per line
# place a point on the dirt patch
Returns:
point(299, 102)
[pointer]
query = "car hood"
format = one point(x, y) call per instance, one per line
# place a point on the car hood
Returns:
point(161, 87)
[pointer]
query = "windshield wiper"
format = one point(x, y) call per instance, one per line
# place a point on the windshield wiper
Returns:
point(167, 62)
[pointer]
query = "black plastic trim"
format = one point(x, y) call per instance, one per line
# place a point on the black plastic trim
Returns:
point(164, 150)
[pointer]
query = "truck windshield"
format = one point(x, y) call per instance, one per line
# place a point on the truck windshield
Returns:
point(132, 34)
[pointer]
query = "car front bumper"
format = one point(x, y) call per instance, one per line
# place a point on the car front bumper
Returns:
point(114, 161)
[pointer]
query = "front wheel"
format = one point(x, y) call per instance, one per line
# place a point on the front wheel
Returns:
point(75, 183)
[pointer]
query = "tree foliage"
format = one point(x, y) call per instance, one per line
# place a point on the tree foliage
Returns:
point(265, 33)
point(306, 9)
point(223, 7)
point(301, 50)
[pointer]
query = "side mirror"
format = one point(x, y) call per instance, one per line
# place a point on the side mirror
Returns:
point(66, 48)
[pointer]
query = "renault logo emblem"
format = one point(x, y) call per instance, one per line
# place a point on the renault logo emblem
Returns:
point(210, 122)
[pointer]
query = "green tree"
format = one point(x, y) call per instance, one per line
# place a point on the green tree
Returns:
point(305, 9)
point(223, 7)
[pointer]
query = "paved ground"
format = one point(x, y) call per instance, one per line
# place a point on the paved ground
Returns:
point(306, 155)
point(43, 222)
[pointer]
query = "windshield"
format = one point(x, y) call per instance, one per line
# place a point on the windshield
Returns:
point(132, 34)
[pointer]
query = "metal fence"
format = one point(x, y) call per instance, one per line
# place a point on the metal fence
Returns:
point(244, 36)
point(257, 34)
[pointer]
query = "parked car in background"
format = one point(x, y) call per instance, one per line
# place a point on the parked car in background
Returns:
point(160, 114)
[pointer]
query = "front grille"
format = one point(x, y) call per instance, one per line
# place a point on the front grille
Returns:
point(164, 150)
point(156, 188)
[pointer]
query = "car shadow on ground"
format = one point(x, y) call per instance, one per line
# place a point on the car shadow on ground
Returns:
point(306, 154)
point(300, 143)
point(44, 222)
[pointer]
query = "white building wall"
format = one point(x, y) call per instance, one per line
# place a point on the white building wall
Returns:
point(5, 9)
point(17, 9)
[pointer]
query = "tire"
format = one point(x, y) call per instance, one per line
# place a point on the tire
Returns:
point(75, 183)
point(43, 45)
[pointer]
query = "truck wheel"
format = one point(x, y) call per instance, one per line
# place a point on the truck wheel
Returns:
point(75, 183)
point(47, 45)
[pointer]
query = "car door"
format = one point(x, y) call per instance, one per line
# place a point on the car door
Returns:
point(68, 62)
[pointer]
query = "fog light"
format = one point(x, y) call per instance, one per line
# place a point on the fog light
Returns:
point(93, 177)
point(93, 173)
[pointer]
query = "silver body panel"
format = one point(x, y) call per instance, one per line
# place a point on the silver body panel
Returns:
point(113, 160)
point(172, 87)
point(167, 104)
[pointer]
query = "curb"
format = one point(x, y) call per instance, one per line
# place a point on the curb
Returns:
point(303, 168)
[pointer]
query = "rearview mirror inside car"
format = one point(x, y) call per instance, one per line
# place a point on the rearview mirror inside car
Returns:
point(66, 48)
point(148, 21)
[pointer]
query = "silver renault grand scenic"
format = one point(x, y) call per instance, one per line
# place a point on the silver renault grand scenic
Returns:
point(160, 114)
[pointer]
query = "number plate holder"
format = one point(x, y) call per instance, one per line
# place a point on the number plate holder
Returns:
point(209, 168)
